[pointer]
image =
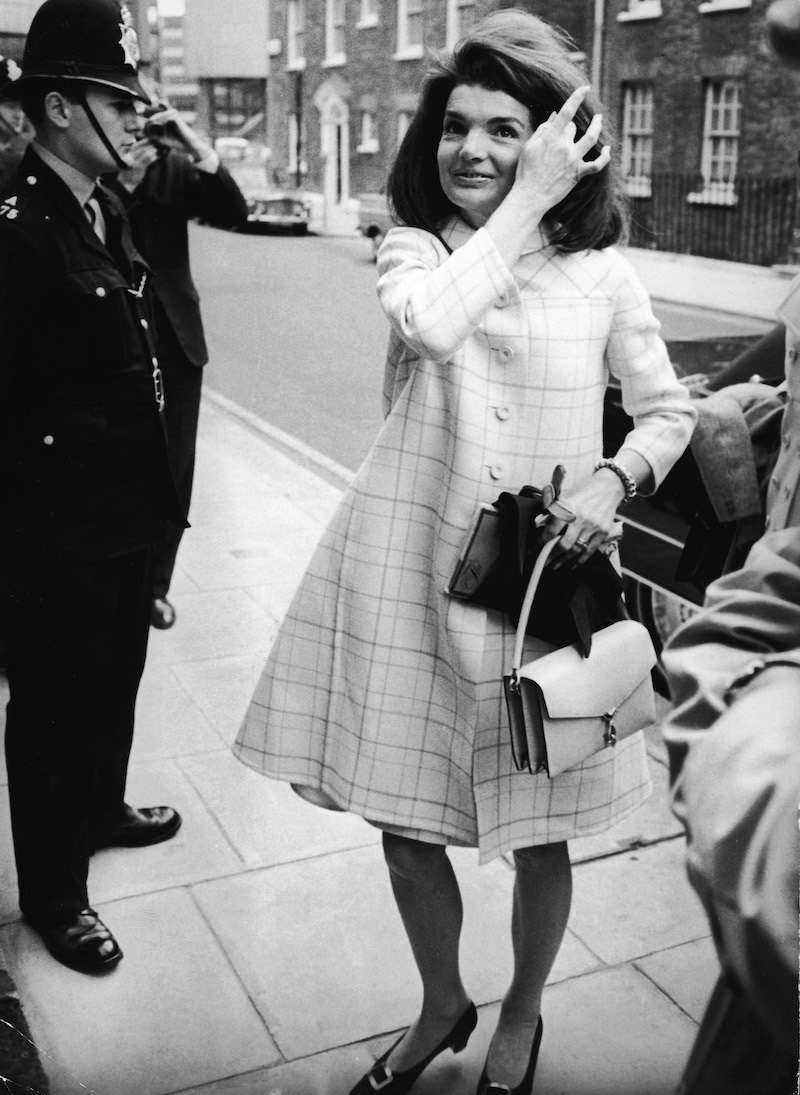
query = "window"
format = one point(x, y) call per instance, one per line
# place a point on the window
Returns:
point(369, 133)
point(640, 9)
point(295, 34)
point(720, 143)
point(334, 32)
point(369, 13)
point(461, 15)
point(409, 29)
point(710, 6)
point(637, 139)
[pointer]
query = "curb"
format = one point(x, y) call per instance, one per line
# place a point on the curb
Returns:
point(20, 1067)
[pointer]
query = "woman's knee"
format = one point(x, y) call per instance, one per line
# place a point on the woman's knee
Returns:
point(413, 859)
point(541, 856)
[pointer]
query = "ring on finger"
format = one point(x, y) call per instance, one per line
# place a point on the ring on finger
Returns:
point(581, 544)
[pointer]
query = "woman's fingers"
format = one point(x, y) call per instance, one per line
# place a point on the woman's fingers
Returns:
point(570, 108)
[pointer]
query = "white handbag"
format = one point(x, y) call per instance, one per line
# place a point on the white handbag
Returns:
point(563, 707)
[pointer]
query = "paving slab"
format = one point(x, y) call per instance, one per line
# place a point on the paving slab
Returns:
point(320, 946)
point(173, 1013)
point(221, 688)
point(686, 974)
point(168, 721)
point(264, 820)
point(199, 850)
point(634, 904)
point(215, 624)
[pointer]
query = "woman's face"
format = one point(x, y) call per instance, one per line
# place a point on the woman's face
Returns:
point(483, 134)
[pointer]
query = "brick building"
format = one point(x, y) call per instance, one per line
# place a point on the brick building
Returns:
point(709, 125)
point(345, 78)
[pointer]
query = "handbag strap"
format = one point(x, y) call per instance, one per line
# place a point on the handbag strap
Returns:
point(527, 604)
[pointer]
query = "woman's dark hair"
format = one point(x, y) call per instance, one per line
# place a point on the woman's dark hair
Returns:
point(533, 62)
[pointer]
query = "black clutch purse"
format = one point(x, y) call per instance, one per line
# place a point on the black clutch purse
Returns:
point(497, 561)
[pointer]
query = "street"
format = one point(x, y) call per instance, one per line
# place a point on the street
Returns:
point(296, 334)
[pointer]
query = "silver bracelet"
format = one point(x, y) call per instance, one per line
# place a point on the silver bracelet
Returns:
point(622, 473)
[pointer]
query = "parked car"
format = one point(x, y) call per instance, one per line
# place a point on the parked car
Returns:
point(267, 208)
point(663, 586)
point(279, 210)
point(374, 218)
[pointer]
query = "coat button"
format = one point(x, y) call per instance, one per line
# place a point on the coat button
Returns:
point(145, 324)
point(502, 300)
point(505, 353)
point(100, 291)
point(31, 180)
point(155, 362)
point(496, 471)
point(503, 411)
point(48, 439)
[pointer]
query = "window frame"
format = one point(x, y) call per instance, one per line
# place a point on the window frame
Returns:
point(454, 29)
point(638, 131)
point(295, 29)
point(715, 159)
point(406, 49)
point(370, 14)
point(368, 139)
point(640, 9)
point(335, 28)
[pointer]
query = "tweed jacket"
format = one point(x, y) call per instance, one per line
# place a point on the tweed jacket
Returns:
point(381, 690)
point(735, 769)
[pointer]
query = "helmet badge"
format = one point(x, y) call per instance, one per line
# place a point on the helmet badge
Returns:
point(12, 68)
point(128, 38)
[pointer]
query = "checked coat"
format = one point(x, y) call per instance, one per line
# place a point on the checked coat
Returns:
point(381, 691)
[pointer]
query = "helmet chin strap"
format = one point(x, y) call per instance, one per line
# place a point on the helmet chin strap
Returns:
point(90, 114)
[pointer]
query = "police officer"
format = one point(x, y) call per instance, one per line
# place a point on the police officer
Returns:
point(15, 129)
point(86, 483)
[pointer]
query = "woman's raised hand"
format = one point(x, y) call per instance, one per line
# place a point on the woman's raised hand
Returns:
point(553, 161)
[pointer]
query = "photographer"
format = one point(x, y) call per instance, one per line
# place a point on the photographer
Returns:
point(175, 177)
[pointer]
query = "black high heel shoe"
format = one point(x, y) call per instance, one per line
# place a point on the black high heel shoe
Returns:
point(381, 1078)
point(487, 1087)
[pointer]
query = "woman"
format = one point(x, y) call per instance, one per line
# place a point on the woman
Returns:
point(382, 695)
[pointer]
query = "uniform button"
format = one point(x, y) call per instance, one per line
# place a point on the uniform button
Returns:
point(505, 353)
point(31, 180)
point(496, 471)
point(48, 439)
point(100, 291)
point(155, 362)
point(145, 324)
point(503, 412)
point(502, 300)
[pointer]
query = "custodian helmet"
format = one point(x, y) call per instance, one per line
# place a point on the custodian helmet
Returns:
point(90, 41)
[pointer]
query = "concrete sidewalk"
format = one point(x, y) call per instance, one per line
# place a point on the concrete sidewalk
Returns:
point(263, 954)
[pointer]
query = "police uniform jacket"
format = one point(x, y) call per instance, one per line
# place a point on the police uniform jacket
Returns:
point(172, 193)
point(81, 439)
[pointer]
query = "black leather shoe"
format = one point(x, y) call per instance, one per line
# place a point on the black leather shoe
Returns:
point(487, 1087)
point(138, 828)
point(84, 944)
point(162, 614)
point(381, 1078)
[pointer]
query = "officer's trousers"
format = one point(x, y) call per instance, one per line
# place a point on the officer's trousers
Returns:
point(78, 634)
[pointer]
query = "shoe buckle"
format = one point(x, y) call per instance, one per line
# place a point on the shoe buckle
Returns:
point(380, 1076)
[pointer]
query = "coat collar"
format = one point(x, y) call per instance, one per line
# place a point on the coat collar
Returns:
point(456, 232)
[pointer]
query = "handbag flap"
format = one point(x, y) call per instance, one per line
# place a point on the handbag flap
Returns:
point(576, 687)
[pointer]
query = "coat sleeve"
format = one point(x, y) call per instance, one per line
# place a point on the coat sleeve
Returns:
point(434, 301)
point(734, 745)
point(214, 197)
point(659, 405)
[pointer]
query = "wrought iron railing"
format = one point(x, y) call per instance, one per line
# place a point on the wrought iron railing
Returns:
point(752, 220)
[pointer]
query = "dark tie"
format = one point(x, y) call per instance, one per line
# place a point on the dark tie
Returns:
point(112, 221)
